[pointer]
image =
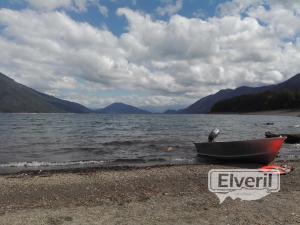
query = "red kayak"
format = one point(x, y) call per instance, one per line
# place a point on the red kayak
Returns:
point(281, 170)
point(254, 151)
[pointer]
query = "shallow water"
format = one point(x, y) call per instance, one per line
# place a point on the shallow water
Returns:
point(39, 141)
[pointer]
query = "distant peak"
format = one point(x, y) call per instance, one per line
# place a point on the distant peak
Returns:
point(118, 103)
point(122, 108)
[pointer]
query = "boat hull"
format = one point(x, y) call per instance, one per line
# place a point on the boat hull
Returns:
point(253, 151)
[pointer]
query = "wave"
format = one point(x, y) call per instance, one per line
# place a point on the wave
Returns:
point(118, 143)
point(37, 164)
point(50, 164)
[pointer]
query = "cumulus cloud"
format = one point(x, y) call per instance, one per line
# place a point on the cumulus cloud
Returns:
point(200, 13)
point(170, 62)
point(236, 7)
point(170, 8)
point(282, 16)
point(77, 5)
point(49, 4)
point(103, 10)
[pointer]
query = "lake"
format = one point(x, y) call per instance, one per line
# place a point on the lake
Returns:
point(55, 141)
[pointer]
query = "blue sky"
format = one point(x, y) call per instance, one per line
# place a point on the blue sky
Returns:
point(155, 54)
point(116, 24)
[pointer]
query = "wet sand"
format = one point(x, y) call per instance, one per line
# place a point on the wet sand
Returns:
point(156, 195)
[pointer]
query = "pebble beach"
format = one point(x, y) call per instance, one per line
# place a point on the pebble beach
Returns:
point(151, 195)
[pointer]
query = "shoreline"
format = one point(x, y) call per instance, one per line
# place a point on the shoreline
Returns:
point(175, 194)
point(293, 113)
point(90, 169)
point(288, 112)
point(133, 167)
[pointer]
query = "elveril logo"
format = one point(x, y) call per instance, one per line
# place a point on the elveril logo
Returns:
point(246, 184)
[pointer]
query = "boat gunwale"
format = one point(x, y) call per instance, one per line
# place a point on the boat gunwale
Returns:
point(241, 141)
point(231, 156)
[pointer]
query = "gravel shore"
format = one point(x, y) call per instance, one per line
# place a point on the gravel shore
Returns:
point(156, 195)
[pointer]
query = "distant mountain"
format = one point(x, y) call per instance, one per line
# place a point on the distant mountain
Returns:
point(171, 111)
point(205, 104)
point(266, 101)
point(121, 108)
point(15, 98)
point(292, 84)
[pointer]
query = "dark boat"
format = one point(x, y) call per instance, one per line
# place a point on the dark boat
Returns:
point(290, 138)
point(255, 151)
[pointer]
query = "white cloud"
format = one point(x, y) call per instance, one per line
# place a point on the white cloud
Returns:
point(49, 4)
point(236, 7)
point(282, 17)
point(103, 10)
point(171, 62)
point(283, 21)
point(200, 13)
point(170, 8)
point(75, 5)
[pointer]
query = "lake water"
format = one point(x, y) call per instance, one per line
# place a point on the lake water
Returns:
point(54, 141)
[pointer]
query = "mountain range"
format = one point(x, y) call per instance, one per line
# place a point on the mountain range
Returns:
point(266, 101)
point(204, 105)
point(15, 97)
point(121, 108)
